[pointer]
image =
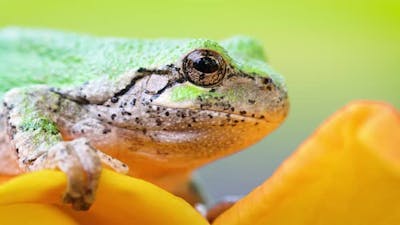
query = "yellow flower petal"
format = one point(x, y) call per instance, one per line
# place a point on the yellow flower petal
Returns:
point(120, 200)
point(33, 214)
point(39, 187)
point(348, 172)
point(125, 200)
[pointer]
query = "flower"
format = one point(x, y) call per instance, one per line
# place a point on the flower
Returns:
point(36, 197)
point(347, 172)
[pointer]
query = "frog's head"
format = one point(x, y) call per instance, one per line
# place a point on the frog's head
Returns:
point(211, 100)
point(232, 78)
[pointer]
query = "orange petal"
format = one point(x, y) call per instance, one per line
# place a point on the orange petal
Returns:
point(348, 172)
point(4, 178)
point(120, 200)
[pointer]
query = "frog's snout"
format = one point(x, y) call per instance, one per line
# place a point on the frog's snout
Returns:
point(251, 97)
point(273, 99)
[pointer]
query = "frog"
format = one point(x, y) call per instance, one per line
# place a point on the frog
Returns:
point(154, 109)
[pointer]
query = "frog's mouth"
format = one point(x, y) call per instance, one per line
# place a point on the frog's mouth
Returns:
point(219, 114)
point(184, 119)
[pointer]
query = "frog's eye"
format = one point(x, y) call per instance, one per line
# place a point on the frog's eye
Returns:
point(204, 67)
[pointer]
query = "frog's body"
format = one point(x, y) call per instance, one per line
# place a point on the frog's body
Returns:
point(162, 107)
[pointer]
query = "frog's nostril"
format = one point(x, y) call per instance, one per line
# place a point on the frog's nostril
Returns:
point(267, 80)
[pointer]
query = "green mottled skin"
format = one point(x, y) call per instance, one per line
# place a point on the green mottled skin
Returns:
point(43, 127)
point(41, 123)
point(189, 92)
point(63, 59)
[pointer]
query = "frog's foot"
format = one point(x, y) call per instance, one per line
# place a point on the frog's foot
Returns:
point(82, 165)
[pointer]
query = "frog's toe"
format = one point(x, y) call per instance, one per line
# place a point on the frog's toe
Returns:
point(79, 197)
point(113, 163)
point(78, 202)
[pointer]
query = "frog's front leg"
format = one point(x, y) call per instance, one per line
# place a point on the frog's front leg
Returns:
point(80, 163)
point(32, 125)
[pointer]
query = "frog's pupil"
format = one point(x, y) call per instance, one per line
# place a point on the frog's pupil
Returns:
point(206, 65)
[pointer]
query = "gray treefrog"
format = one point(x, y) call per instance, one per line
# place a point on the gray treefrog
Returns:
point(160, 107)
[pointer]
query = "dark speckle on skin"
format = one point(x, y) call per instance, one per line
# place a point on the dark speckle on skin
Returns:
point(106, 131)
point(133, 102)
point(114, 99)
point(251, 101)
point(113, 116)
point(123, 112)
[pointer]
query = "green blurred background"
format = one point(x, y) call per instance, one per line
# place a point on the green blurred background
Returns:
point(330, 52)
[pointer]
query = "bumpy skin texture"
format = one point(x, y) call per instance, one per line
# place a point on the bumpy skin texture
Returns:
point(74, 102)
